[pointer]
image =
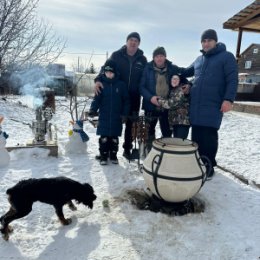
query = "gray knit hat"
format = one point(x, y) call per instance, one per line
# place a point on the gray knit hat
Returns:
point(133, 35)
point(159, 51)
point(209, 34)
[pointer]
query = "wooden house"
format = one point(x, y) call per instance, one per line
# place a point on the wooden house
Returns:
point(247, 20)
point(249, 63)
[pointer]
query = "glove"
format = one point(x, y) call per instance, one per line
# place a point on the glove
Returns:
point(92, 113)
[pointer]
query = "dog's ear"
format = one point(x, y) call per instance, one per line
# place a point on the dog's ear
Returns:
point(90, 190)
point(87, 195)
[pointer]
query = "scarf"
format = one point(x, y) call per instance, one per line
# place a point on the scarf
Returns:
point(83, 135)
point(162, 86)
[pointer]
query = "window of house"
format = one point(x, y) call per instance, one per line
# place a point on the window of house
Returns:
point(248, 64)
point(255, 50)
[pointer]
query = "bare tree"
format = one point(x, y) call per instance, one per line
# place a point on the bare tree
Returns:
point(92, 69)
point(24, 39)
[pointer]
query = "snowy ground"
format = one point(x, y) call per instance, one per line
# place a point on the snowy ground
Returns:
point(229, 229)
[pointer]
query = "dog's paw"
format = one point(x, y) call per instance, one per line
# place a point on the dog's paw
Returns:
point(5, 232)
point(66, 221)
point(10, 229)
point(5, 236)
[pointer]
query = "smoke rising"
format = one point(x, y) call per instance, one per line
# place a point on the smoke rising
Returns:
point(31, 83)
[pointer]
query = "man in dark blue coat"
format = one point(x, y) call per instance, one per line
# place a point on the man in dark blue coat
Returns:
point(212, 94)
point(130, 62)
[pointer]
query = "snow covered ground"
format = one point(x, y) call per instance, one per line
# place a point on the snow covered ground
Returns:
point(229, 229)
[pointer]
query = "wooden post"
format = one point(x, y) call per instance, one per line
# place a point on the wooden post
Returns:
point(239, 39)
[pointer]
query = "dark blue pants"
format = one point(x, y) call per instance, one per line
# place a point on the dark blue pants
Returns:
point(207, 140)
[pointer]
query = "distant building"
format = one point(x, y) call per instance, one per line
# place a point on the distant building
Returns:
point(85, 84)
point(56, 69)
point(249, 74)
point(249, 64)
point(64, 82)
point(58, 81)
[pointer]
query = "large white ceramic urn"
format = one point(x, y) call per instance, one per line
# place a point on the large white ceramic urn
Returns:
point(173, 170)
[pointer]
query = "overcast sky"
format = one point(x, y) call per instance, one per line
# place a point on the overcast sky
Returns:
point(101, 26)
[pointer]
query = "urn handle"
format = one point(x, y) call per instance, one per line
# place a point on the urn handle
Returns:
point(156, 162)
point(205, 161)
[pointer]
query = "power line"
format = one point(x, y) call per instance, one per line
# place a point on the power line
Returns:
point(89, 53)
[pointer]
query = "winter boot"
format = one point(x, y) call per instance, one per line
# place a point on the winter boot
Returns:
point(103, 160)
point(113, 150)
point(210, 174)
point(104, 149)
point(127, 154)
point(113, 158)
point(127, 150)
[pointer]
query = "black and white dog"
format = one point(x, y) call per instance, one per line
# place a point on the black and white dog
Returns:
point(55, 191)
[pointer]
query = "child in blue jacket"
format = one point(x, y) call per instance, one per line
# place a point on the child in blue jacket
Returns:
point(112, 105)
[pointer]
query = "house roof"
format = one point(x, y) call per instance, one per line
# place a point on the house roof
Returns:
point(248, 19)
point(255, 44)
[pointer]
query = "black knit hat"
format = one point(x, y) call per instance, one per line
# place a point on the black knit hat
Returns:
point(159, 51)
point(110, 65)
point(209, 34)
point(133, 35)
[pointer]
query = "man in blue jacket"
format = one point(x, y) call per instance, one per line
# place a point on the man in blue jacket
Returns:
point(130, 62)
point(212, 94)
point(155, 84)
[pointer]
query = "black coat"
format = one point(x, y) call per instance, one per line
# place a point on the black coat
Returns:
point(112, 103)
point(130, 73)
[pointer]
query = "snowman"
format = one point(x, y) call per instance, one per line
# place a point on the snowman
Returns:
point(77, 138)
point(4, 155)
